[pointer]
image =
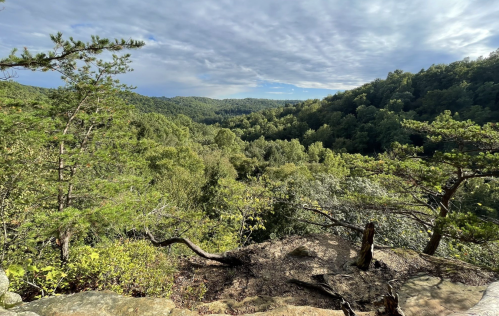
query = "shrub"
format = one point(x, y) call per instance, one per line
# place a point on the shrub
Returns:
point(132, 268)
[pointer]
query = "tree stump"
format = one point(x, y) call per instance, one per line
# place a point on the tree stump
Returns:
point(390, 303)
point(366, 250)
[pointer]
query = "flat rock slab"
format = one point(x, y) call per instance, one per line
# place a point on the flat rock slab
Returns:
point(111, 304)
point(4, 312)
point(303, 310)
point(98, 304)
point(426, 295)
point(422, 295)
point(266, 306)
point(488, 305)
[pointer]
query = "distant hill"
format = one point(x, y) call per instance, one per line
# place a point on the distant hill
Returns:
point(199, 109)
point(204, 110)
point(16, 91)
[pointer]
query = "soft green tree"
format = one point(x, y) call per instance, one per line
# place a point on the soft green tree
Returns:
point(467, 151)
point(316, 152)
point(225, 138)
point(22, 156)
point(88, 140)
point(65, 55)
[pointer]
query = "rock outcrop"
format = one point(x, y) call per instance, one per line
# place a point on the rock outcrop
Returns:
point(435, 297)
point(424, 294)
point(4, 282)
point(104, 303)
point(488, 305)
point(7, 299)
point(110, 304)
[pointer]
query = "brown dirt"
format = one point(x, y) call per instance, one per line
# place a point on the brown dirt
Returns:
point(270, 267)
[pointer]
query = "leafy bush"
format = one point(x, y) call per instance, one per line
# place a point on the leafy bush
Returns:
point(130, 268)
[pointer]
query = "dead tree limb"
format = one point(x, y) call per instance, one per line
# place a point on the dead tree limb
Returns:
point(229, 260)
point(325, 288)
point(390, 303)
point(366, 250)
point(335, 221)
point(347, 310)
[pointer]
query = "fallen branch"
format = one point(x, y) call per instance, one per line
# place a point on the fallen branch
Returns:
point(229, 260)
point(325, 288)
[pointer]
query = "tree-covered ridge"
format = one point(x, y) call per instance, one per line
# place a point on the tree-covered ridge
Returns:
point(13, 90)
point(367, 119)
point(200, 109)
point(204, 110)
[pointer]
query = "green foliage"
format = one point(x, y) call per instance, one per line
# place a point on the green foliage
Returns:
point(468, 151)
point(79, 164)
point(203, 110)
point(367, 119)
point(132, 268)
point(66, 54)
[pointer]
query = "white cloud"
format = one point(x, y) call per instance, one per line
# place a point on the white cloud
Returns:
point(237, 44)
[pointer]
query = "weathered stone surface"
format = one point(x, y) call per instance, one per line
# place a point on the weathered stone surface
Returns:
point(27, 314)
point(305, 310)
point(182, 312)
point(266, 306)
point(4, 282)
point(422, 296)
point(425, 295)
point(9, 300)
point(488, 305)
point(98, 304)
point(4, 312)
point(111, 304)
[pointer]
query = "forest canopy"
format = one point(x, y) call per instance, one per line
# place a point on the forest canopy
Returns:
point(90, 171)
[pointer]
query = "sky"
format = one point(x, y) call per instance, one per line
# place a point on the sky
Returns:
point(274, 49)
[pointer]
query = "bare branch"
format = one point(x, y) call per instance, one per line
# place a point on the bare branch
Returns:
point(232, 261)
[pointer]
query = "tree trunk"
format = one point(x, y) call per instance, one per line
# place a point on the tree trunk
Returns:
point(432, 245)
point(434, 242)
point(64, 238)
point(366, 250)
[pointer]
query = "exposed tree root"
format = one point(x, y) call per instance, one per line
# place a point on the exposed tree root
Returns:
point(347, 310)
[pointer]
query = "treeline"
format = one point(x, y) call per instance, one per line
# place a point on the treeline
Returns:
point(199, 109)
point(203, 110)
point(367, 119)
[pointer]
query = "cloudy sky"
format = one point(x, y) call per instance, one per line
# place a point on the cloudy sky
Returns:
point(295, 49)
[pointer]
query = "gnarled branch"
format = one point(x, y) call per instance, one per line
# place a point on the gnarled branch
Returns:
point(229, 260)
point(325, 288)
